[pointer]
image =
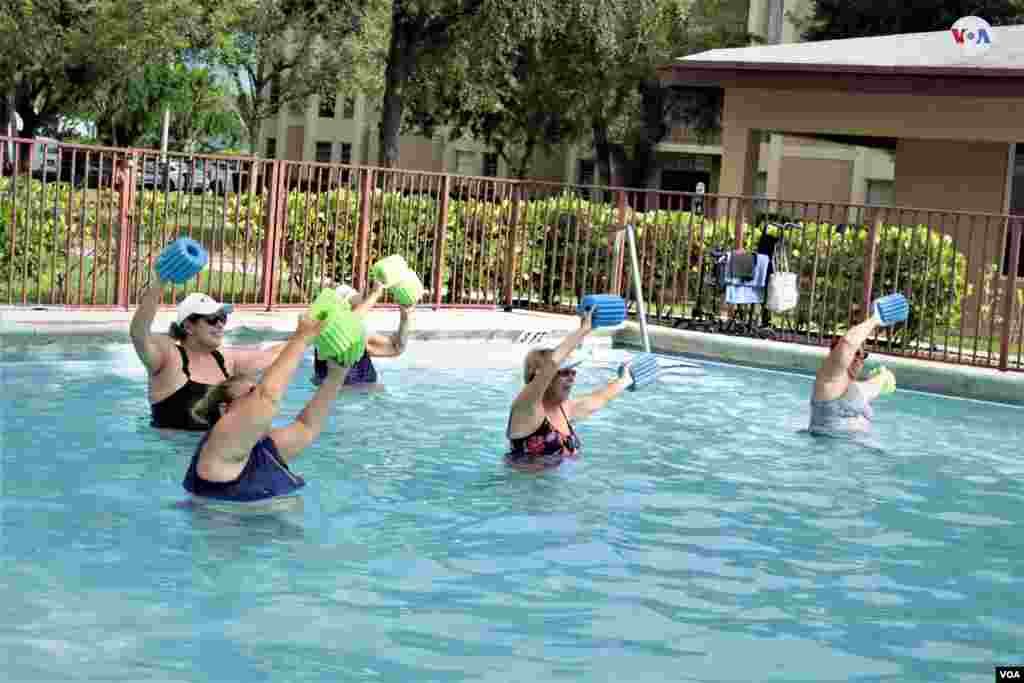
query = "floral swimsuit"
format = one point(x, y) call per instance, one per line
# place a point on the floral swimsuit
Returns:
point(545, 447)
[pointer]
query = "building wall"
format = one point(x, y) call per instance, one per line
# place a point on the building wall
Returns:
point(815, 180)
point(975, 181)
point(361, 131)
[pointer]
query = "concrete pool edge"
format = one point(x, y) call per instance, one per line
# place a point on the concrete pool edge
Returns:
point(919, 375)
point(41, 325)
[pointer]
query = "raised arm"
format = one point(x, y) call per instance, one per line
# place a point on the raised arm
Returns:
point(367, 304)
point(839, 358)
point(251, 415)
point(296, 437)
point(527, 411)
point(254, 360)
point(150, 348)
point(585, 406)
point(386, 346)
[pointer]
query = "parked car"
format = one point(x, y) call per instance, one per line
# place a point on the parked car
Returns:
point(83, 169)
point(45, 161)
point(170, 175)
point(213, 175)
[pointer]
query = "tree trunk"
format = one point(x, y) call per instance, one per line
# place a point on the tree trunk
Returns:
point(254, 128)
point(653, 131)
point(523, 166)
point(401, 63)
point(603, 152)
point(23, 104)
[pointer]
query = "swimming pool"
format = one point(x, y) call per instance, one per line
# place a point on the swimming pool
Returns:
point(702, 537)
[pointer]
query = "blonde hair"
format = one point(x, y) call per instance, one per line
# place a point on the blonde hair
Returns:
point(207, 409)
point(532, 361)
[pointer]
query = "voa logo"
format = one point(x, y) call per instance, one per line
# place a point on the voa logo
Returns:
point(973, 35)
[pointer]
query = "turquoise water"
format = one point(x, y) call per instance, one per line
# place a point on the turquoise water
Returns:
point(701, 538)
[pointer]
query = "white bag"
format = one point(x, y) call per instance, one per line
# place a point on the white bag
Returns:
point(782, 290)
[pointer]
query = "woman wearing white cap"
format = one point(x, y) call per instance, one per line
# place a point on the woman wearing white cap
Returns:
point(363, 375)
point(186, 362)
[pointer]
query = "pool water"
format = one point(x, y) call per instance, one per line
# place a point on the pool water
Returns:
point(702, 536)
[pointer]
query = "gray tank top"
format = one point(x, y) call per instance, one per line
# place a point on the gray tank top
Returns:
point(848, 413)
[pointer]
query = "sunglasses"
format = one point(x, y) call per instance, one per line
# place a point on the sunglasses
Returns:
point(567, 372)
point(212, 319)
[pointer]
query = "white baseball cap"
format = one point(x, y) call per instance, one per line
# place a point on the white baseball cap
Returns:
point(200, 304)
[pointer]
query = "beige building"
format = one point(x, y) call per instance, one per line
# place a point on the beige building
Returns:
point(345, 131)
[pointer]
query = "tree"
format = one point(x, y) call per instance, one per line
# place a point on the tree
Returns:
point(280, 53)
point(203, 110)
point(59, 54)
point(500, 93)
point(832, 19)
point(631, 112)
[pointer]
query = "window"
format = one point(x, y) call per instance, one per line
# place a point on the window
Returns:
point(465, 162)
point(346, 153)
point(327, 106)
point(271, 148)
point(350, 108)
point(880, 193)
point(585, 171)
point(490, 165)
point(760, 191)
point(761, 184)
point(775, 20)
point(323, 152)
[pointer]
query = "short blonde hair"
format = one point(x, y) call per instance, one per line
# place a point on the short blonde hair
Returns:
point(533, 360)
point(207, 409)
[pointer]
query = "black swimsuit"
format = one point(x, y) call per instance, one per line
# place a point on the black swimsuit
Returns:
point(175, 411)
point(545, 447)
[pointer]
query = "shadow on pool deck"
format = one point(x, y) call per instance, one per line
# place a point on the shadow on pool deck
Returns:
point(40, 325)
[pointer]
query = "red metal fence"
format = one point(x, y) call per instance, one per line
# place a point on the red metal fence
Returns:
point(82, 226)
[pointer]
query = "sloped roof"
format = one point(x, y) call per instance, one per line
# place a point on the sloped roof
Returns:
point(933, 54)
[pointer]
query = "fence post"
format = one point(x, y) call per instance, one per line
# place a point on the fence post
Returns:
point(510, 257)
point(870, 252)
point(271, 208)
point(741, 218)
point(440, 236)
point(1015, 226)
point(360, 268)
point(616, 243)
point(125, 178)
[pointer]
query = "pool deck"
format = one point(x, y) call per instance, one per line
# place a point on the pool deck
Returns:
point(43, 324)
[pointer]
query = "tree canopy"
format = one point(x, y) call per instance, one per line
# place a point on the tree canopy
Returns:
point(834, 19)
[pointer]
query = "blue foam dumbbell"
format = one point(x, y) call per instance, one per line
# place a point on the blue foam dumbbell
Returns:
point(181, 260)
point(892, 309)
point(609, 309)
point(643, 367)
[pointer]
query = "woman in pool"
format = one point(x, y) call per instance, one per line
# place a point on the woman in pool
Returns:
point(243, 458)
point(183, 364)
point(540, 421)
point(363, 375)
point(840, 403)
